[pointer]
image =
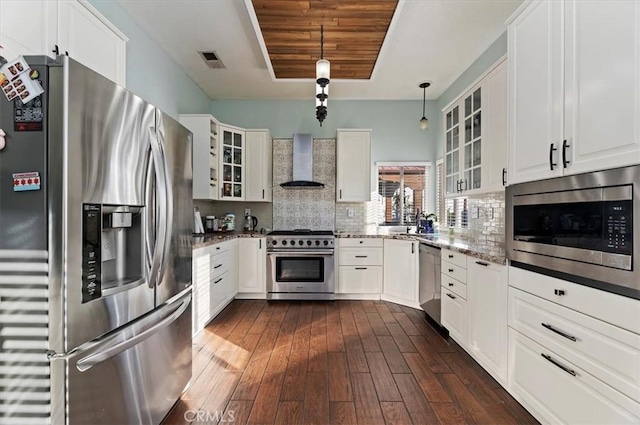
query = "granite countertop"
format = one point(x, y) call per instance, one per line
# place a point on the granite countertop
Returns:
point(200, 241)
point(492, 252)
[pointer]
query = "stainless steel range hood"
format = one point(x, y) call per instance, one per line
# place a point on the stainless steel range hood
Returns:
point(302, 164)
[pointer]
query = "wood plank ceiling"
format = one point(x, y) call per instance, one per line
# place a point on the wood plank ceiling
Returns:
point(353, 35)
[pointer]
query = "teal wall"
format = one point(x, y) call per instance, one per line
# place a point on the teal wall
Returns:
point(151, 73)
point(396, 135)
point(475, 70)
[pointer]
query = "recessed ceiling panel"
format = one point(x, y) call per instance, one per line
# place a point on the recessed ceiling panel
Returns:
point(353, 35)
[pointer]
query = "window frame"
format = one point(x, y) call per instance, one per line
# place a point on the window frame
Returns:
point(428, 177)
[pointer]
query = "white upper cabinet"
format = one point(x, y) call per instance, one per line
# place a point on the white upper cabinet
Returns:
point(205, 155)
point(353, 166)
point(92, 40)
point(41, 27)
point(574, 72)
point(259, 173)
point(232, 162)
point(475, 136)
point(28, 27)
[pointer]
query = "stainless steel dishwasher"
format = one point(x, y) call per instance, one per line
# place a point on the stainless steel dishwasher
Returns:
point(430, 281)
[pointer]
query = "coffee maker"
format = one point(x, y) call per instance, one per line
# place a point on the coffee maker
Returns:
point(250, 223)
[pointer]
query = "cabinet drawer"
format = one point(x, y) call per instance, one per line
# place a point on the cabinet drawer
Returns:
point(561, 391)
point(611, 308)
point(219, 291)
point(454, 315)
point(360, 280)
point(454, 271)
point(219, 264)
point(454, 286)
point(364, 242)
point(454, 258)
point(360, 256)
point(219, 248)
point(607, 352)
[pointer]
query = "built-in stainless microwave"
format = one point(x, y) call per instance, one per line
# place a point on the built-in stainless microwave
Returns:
point(579, 228)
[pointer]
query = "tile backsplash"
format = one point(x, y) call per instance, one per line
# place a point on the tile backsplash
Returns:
point(365, 216)
point(486, 228)
point(313, 209)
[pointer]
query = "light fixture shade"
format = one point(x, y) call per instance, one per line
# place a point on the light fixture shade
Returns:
point(323, 69)
point(424, 123)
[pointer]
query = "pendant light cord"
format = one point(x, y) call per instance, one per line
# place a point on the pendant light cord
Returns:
point(321, 41)
point(424, 98)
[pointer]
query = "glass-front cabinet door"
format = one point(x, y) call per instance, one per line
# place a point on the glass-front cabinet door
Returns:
point(452, 150)
point(472, 141)
point(232, 163)
point(463, 144)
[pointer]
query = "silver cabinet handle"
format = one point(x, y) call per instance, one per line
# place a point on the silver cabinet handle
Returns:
point(451, 296)
point(561, 366)
point(559, 332)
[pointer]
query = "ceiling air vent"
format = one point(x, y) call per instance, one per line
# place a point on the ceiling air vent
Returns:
point(211, 59)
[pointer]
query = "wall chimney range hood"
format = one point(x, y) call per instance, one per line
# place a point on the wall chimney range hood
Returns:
point(302, 164)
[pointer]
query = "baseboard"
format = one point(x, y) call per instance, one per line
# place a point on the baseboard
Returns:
point(400, 301)
point(356, 297)
point(251, 296)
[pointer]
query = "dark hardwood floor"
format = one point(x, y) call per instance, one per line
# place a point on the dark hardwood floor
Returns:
point(342, 362)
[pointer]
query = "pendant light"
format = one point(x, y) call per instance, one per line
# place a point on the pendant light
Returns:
point(424, 122)
point(323, 71)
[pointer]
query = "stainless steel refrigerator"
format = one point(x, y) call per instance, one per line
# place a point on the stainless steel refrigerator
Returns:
point(95, 253)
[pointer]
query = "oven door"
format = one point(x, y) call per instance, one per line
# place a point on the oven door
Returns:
point(300, 272)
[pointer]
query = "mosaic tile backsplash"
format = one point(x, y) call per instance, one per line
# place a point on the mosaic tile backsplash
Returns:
point(486, 229)
point(313, 209)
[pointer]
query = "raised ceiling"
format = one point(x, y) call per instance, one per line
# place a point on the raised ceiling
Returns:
point(353, 35)
point(433, 40)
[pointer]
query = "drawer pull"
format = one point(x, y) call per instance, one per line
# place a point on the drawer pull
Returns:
point(217, 281)
point(559, 332)
point(482, 263)
point(361, 241)
point(559, 292)
point(361, 256)
point(218, 248)
point(450, 270)
point(218, 266)
point(451, 296)
point(361, 268)
point(450, 284)
point(555, 362)
point(450, 255)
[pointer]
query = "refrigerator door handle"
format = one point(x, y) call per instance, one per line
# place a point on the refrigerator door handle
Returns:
point(161, 200)
point(167, 211)
point(150, 217)
point(91, 360)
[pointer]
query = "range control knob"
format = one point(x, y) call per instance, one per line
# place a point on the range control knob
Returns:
point(284, 242)
point(300, 242)
point(293, 243)
point(326, 243)
point(317, 242)
point(274, 242)
point(308, 242)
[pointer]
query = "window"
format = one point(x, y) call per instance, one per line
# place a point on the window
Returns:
point(440, 206)
point(402, 192)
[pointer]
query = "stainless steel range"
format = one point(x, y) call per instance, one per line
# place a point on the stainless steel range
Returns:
point(300, 265)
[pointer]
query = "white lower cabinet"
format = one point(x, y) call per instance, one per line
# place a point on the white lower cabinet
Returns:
point(252, 270)
point(400, 283)
point(360, 264)
point(454, 316)
point(487, 308)
point(574, 351)
point(360, 279)
point(560, 392)
point(214, 281)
